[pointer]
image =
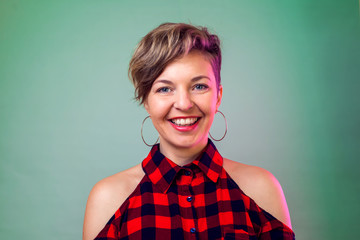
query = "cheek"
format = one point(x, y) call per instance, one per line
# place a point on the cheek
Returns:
point(208, 105)
point(158, 108)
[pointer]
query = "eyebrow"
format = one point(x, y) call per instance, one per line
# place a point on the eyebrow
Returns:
point(195, 79)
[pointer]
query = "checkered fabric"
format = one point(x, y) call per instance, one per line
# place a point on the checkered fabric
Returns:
point(196, 201)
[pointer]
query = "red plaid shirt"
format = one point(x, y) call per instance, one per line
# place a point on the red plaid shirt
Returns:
point(196, 201)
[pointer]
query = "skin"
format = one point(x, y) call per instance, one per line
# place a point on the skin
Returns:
point(187, 87)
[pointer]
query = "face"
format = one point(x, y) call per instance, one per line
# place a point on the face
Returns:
point(183, 101)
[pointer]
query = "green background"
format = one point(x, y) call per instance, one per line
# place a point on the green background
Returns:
point(67, 118)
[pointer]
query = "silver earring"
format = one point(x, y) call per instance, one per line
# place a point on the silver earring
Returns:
point(142, 125)
point(225, 128)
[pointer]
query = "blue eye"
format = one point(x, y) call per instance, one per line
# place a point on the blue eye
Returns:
point(200, 87)
point(163, 90)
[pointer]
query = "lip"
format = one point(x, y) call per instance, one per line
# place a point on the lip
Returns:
point(185, 128)
point(184, 117)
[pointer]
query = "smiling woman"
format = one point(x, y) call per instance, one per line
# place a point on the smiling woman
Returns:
point(182, 103)
point(184, 188)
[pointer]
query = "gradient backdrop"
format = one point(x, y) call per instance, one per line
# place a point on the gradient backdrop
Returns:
point(67, 118)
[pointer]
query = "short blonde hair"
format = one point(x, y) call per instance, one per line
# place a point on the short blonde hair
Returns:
point(164, 44)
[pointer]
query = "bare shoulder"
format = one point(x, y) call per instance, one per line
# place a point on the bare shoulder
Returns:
point(106, 197)
point(261, 186)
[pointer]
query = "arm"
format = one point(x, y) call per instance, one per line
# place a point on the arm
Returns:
point(262, 187)
point(101, 205)
point(106, 197)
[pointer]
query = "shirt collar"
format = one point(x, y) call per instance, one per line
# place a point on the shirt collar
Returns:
point(162, 171)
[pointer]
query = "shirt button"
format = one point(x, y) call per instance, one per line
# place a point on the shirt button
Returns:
point(187, 173)
point(189, 199)
point(192, 230)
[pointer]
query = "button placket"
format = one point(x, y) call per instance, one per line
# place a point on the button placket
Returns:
point(187, 177)
point(188, 173)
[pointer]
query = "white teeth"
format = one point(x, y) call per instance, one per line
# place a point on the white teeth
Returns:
point(184, 121)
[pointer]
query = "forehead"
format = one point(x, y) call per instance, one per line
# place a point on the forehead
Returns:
point(194, 63)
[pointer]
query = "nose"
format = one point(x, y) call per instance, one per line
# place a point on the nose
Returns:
point(183, 100)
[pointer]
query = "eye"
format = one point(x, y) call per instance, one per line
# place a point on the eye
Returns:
point(163, 90)
point(200, 87)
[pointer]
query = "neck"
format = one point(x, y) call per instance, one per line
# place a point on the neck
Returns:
point(181, 155)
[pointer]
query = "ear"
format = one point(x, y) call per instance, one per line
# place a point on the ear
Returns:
point(219, 97)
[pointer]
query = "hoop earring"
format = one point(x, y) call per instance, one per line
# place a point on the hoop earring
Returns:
point(142, 137)
point(225, 128)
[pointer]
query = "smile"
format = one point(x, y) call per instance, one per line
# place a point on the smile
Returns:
point(182, 122)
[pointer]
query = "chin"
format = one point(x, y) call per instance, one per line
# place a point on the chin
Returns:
point(189, 142)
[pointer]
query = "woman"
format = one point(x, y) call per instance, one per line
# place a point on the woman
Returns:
point(184, 189)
